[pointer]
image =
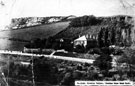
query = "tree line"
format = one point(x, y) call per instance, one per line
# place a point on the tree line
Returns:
point(84, 21)
point(51, 43)
point(115, 35)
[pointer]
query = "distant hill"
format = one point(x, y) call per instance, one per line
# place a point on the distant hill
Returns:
point(18, 23)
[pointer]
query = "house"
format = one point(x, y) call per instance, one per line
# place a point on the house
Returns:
point(53, 20)
point(71, 17)
point(81, 41)
point(86, 40)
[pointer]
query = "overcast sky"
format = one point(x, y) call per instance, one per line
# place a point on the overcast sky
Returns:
point(28, 8)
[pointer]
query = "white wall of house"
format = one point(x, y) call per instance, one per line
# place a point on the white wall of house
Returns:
point(53, 20)
point(84, 43)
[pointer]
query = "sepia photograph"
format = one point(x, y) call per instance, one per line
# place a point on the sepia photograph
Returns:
point(67, 42)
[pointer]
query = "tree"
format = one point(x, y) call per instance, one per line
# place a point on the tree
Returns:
point(100, 38)
point(107, 50)
point(129, 58)
point(37, 42)
point(56, 45)
point(113, 36)
point(103, 62)
point(49, 42)
point(44, 20)
point(84, 21)
point(68, 47)
point(22, 21)
point(106, 37)
point(44, 70)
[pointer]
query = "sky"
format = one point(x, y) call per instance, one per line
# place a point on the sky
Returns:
point(41, 8)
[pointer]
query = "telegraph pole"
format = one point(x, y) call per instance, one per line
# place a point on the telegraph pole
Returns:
point(33, 77)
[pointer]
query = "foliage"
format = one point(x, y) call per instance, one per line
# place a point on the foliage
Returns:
point(109, 30)
point(15, 71)
point(118, 52)
point(67, 46)
point(84, 21)
point(107, 50)
point(109, 36)
point(128, 56)
point(79, 49)
point(22, 21)
point(95, 51)
point(103, 62)
point(113, 36)
point(56, 45)
point(91, 44)
point(100, 38)
point(45, 20)
point(49, 42)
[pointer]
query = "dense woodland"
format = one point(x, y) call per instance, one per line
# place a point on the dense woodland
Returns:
point(85, 21)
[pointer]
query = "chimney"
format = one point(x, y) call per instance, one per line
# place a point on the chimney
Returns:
point(90, 36)
point(87, 36)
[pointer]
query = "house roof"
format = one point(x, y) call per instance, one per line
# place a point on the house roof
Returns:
point(82, 38)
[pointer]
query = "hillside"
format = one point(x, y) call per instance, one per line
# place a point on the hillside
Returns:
point(42, 31)
point(16, 39)
point(74, 32)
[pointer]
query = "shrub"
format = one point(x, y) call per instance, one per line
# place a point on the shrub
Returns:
point(79, 49)
point(95, 51)
point(103, 62)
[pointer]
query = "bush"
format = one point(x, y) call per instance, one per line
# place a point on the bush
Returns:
point(103, 62)
point(79, 49)
point(118, 52)
point(107, 50)
point(95, 51)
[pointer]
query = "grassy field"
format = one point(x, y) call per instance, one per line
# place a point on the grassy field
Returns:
point(42, 31)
